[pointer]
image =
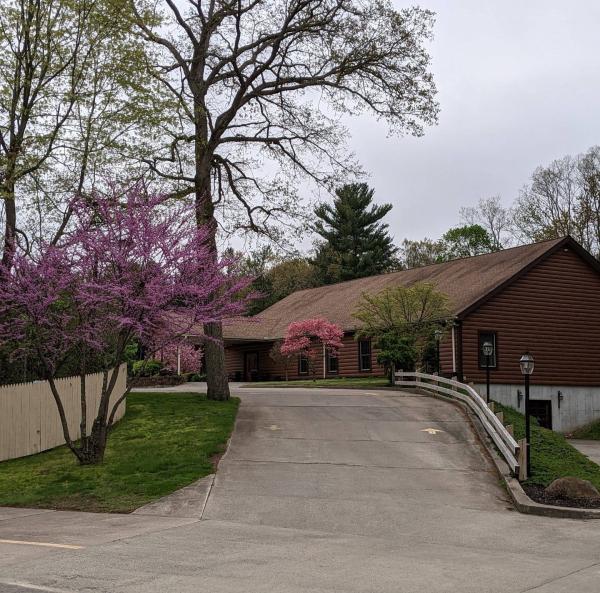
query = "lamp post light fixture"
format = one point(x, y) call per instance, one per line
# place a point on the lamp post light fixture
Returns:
point(438, 336)
point(488, 350)
point(527, 364)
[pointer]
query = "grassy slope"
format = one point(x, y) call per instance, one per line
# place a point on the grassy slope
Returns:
point(591, 432)
point(551, 455)
point(333, 382)
point(165, 442)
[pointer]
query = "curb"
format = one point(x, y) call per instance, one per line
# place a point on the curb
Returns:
point(362, 387)
point(518, 496)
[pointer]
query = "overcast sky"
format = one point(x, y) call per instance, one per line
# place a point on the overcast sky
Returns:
point(518, 84)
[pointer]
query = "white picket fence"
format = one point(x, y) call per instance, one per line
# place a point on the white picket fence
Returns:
point(29, 420)
point(504, 441)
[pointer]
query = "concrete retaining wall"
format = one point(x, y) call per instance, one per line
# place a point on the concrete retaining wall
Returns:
point(579, 406)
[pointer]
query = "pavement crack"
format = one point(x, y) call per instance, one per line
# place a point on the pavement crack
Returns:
point(347, 464)
point(564, 576)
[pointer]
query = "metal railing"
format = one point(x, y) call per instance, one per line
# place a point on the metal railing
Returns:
point(504, 441)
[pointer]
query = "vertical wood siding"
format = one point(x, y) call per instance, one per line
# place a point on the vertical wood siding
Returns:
point(29, 420)
point(554, 312)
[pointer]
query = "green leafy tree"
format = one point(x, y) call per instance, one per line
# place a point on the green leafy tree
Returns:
point(466, 241)
point(356, 242)
point(73, 94)
point(402, 320)
point(275, 276)
point(396, 352)
point(415, 254)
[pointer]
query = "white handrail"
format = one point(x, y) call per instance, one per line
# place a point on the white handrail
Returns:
point(505, 442)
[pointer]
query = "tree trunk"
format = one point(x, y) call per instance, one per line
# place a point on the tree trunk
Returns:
point(93, 447)
point(7, 192)
point(214, 352)
point(214, 357)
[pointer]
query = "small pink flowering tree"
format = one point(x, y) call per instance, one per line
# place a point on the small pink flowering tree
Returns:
point(301, 337)
point(181, 356)
point(131, 268)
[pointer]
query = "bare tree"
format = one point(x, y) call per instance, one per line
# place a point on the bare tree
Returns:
point(494, 217)
point(563, 198)
point(589, 203)
point(258, 89)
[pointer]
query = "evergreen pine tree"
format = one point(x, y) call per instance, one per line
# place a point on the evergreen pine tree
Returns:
point(355, 243)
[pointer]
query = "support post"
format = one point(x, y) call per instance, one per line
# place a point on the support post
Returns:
point(527, 425)
point(523, 475)
point(487, 378)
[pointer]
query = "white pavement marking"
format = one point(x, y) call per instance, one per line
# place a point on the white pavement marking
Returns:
point(31, 587)
point(41, 544)
point(431, 430)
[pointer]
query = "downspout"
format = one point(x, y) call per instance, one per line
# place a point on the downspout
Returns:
point(453, 352)
point(324, 363)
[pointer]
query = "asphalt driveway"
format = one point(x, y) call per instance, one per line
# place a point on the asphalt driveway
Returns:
point(321, 491)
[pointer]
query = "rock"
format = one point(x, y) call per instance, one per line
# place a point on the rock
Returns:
point(572, 488)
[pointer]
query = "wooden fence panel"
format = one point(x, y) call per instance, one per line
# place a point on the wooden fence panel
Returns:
point(29, 420)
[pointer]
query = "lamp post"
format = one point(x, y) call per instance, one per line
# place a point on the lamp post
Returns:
point(488, 350)
point(438, 336)
point(527, 364)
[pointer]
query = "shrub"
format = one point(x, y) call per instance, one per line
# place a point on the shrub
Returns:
point(146, 368)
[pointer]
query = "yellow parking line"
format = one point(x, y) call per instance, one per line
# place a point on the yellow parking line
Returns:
point(42, 544)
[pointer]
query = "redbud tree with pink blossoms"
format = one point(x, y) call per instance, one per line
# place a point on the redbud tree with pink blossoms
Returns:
point(130, 269)
point(302, 338)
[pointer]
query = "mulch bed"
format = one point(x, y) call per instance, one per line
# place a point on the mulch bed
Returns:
point(158, 381)
point(538, 494)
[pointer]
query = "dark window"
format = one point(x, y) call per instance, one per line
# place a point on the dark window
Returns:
point(302, 365)
point(332, 362)
point(487, 336)
point(364, 355)
point(541, 409)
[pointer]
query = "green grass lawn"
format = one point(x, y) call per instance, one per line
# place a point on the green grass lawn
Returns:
point(551, 455)
point(166, 441)
point(357, 382)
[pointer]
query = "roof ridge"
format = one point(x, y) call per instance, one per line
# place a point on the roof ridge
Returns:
point(442, 263)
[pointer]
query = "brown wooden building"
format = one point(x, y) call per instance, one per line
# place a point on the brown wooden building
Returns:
point(543, 298)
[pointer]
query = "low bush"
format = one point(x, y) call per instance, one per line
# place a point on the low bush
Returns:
point(146, 368)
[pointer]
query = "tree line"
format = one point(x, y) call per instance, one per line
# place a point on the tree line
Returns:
point(352, 241)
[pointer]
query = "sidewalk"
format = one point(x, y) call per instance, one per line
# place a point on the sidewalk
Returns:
point(589, 448)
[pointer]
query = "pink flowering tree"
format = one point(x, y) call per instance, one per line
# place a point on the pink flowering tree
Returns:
point(132, 267)
point(302, 338)
point(181, 357)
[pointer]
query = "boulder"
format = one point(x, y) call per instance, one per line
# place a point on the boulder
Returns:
point(572, 488)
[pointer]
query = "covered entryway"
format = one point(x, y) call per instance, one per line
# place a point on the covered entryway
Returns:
point(251, 368)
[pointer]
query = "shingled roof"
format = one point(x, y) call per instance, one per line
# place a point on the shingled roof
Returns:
point(466, 281)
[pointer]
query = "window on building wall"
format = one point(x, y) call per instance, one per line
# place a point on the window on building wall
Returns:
point(487, 336)
point(364, 355)
point(333, 364)
point(302, 364)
